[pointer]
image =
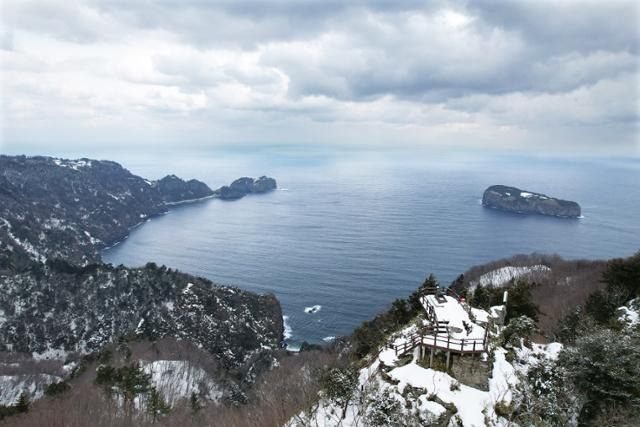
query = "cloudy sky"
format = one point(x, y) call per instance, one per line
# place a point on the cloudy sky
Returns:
point(532, 75)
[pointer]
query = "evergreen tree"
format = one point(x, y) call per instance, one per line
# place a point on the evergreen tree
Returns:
point(194, 402)
point(23, 403)
point(414, 299)
point(156, 404)
point(520, 303)
point(400, 312)
point(605, 368)
point(518, 329)
point(480, 298)
point(340, 385)
point(622, 277)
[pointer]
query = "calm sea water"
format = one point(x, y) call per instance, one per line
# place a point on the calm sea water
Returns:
point(348, 232)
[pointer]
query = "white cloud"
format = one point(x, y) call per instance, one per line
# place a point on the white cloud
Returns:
point(491, 73)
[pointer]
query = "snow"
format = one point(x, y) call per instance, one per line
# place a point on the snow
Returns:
point(11, 386)
point(481, 315)
point(27, 246)
point(525, 194)
point(72, 164)
point(454, 312)
point(469, 401)
point(312, 309)
point(388, 357)
point(177, 379)
point(432, 407)
point(503, 377)
point(50, 354)
point(502, 276)
point(629, 315)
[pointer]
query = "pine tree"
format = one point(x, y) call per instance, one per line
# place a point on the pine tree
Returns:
point(23, 403)
point(156, 404)
point(414, 299)
point(194, 402)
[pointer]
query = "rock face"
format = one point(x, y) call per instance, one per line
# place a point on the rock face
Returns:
point(59, 308)
point(71, 209)
point(175, 190)
point(512, 199)
point(243, 186)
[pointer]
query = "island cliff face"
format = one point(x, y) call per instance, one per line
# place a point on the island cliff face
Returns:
point(511, 199)
point(175, 190)
point(243, 186)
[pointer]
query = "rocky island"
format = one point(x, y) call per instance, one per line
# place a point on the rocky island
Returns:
point(512, 199)
point(243, 186)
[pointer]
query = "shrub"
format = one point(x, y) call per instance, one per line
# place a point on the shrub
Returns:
point(605, 368)
point(384, 410)
point(519, 328)
point(503, 409)
point(339, 385)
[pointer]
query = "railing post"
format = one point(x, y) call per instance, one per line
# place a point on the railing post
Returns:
point(462, 346)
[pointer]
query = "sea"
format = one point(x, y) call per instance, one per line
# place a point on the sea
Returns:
point(350, 230)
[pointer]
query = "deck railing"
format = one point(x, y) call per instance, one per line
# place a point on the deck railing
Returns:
point(440, 342)
point(439, 337)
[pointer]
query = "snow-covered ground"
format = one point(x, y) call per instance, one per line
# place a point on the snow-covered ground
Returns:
point(11, 386)
point(177, 379)
point(433, 392)
point(502, 276)
point(630, 314)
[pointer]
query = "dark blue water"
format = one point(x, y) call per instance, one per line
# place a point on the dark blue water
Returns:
point(350, 231)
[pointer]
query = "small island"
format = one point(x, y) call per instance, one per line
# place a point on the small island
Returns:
point(243, 186)
point(511, 199)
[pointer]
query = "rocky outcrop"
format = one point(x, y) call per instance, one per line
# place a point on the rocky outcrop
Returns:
point(243, 186)
point(175, 190)
point(71, 209)
point(511, 199)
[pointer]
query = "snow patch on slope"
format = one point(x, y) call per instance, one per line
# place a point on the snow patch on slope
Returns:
point(503, 275)
point(178, 379)
point(11, 386)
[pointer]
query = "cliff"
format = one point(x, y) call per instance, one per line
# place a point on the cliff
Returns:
point(175, 190)
point(511, 199)
point(71, 209)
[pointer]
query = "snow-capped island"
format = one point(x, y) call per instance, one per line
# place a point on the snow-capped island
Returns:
point(512, 199)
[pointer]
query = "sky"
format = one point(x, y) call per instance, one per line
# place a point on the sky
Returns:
point(538, 76)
